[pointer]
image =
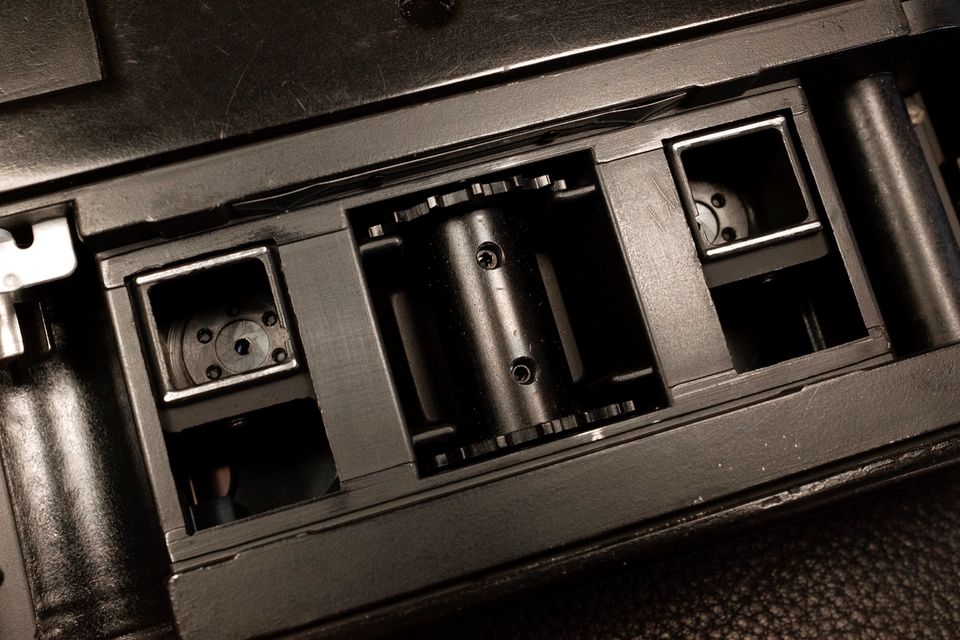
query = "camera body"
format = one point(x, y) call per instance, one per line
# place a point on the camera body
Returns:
point(458, 340)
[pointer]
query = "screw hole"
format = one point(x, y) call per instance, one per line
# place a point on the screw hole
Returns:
point(204, 336)
point(718, 200)
point(214, 372)
point(523, 370)
point(269, 318)
point(728, 234)
point(489, 255)
point(279, 355)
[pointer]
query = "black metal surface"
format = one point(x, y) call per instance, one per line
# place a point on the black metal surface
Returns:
point(566, 504)
point(171, 199)
point(391, 537)
point(45, 46)
point(894, 205)
point(188, 73)
point(90, 542)
point(369, 442)
point(633, 583)
point(495, 318)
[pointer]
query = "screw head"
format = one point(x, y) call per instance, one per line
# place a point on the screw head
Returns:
point(523, 370)
point(489, 256)
point(214, 372)
point(204, 336)
point(279, 355)
point(269, 318)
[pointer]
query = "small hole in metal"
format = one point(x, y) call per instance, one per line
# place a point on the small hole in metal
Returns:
point(718, 200)
point(242, 346)
point(523, 370)
point(728, 234)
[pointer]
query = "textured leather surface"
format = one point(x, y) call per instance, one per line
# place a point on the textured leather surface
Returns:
point(887, 566)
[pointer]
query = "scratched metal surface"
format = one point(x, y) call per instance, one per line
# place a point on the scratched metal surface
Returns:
point(45, 46)
point(185, 73)
point(91, 546)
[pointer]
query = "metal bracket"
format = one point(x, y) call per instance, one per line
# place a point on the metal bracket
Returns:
point(49, 257)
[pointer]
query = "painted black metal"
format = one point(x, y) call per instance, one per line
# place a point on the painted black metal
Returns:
point(174, 198)
point(90, 542)
point(184, 74)
point(44, 47)
point(731, 447)
point(352, 382)
point(636, 549)
point(565, 505)
point(495, 318)
point(896, 210)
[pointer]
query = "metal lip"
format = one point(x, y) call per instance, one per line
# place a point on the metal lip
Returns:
point(260, 253)
point(142, 285)
point(779, 123)
point(766, 239)
point(217, 385)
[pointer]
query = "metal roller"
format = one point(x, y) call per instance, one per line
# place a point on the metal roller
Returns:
point(906, 239)
point(496, 322)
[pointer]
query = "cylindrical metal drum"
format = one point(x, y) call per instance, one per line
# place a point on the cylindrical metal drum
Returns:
point(497, 326)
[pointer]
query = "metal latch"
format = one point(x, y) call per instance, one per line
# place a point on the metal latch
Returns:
point(49, 257)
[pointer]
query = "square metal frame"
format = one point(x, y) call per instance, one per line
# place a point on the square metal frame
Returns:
point(779, 123)
point(144, 284)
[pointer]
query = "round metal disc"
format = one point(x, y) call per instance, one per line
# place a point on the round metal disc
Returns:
point(238, 339)
point(242, 346)
point(722, 215)
point(708, 223)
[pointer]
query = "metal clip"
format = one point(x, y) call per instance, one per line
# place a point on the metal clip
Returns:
point(49, 257)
